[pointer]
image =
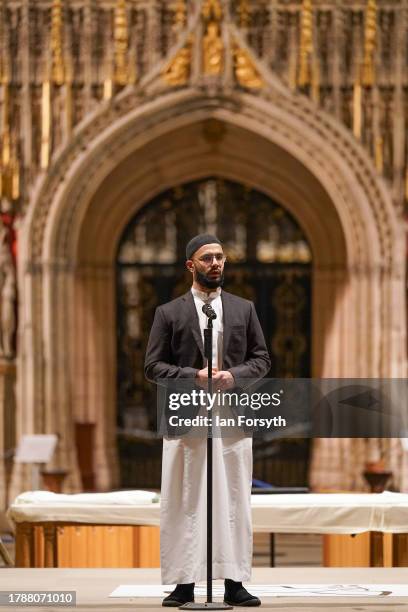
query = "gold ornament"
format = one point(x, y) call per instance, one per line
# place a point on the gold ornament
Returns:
point(212, 10)
point(245, 71)
point(244, 13)
point(57, 61)
point(379, 155)
point(178, 71)
point(180, 13)
point(121, 43)
point(357, 119)
point(9, 165)
point(45, 124)
point(370, 41)
point(213, 56)
point(306, 43)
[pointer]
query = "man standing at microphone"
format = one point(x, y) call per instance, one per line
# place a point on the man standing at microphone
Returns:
point(176, 350)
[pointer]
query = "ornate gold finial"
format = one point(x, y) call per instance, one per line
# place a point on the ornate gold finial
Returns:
point(244, 13)
point(211, 9)
point(379, 153)
point(57, 59)
point(5, 126)
point(10, 180)
point(9, 165)
point(357, 99)
point(370, 39)
point(178, 71)
point(45, 124)
point(121, 43)
point(306, 43)
point(5, 136)
point(180, 13)
point(246, 73)
point(108, 70)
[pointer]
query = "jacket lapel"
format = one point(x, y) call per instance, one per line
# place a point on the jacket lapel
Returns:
point(193, 319)
point(227, 314)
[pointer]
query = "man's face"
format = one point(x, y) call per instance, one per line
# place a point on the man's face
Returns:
point(207, 266)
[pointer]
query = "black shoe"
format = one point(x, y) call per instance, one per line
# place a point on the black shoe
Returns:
point(237, 595)
point(183, 593)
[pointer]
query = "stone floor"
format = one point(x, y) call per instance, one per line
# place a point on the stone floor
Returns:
point(297, 560)
point(93, 587)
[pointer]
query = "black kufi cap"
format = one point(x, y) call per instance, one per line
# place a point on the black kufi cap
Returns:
point(199, 241)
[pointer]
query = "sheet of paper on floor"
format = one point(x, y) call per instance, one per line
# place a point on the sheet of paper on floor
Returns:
point(274, 590)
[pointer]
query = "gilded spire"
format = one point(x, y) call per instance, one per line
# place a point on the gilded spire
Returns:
point(180, 13)
point(9, 165)
point(212, 10)
point(306, 43)
point(121, 44)
point(213, 46)
point(357, 107)
point(57, 57)
point(45, 124)
point(244, 13)
point(5, 126)
point(370, 41)
point(379, 153)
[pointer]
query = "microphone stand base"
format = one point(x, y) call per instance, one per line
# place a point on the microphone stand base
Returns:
point(214, 605)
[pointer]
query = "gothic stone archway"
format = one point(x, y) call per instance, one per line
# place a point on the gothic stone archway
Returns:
point(268, 262)
point(133, 149)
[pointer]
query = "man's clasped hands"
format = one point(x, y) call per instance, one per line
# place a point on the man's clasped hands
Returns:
point(221, 379)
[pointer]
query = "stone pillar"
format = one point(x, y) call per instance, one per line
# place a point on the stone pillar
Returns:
point(44, 403)
point(30, 364)
point(8, 427)
point(365, 338)
point(94, 365)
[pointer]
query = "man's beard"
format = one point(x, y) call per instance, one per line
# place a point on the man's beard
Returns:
point(209, 283)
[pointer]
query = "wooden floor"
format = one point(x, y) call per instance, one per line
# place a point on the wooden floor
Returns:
point(93, 587)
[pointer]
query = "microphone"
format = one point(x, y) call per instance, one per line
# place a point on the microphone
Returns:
point(209, 311)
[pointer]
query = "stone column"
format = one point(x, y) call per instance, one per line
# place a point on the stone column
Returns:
point(30, 367)
point(94, 365)
point(57, 338)
point(365, 338)
point(7, 425)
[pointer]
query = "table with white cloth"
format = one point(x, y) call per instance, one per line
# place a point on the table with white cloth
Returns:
point(121, 529)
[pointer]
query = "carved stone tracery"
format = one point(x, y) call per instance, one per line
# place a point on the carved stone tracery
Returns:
point(240, 70)
point(82, 53)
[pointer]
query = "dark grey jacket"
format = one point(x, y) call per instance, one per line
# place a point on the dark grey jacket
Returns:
point(175, 347)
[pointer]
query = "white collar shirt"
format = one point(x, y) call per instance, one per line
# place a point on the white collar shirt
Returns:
point(213, 298)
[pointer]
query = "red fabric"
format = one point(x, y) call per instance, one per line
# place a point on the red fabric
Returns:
point(8, 222)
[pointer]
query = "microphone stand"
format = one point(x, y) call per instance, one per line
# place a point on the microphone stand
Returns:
point(209, 604)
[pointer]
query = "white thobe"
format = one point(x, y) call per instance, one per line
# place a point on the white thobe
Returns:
point(183, 526)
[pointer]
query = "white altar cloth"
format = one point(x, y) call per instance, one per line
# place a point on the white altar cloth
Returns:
point(331, 513)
